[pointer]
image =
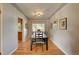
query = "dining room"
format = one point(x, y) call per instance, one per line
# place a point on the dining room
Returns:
point(38, 29)
point(38, 41)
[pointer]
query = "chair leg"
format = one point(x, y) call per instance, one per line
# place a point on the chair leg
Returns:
point(47, 45)
point(36, 47)
point(42, 47)
point(31, 48)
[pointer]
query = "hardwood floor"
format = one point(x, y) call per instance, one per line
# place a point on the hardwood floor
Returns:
point(24, 49)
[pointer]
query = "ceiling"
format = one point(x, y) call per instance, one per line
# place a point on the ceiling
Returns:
point(48, 9)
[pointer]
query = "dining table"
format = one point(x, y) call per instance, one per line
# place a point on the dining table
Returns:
point(33, 39)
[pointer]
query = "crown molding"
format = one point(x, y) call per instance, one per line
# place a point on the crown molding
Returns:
point(13, 4)
point(57, 10)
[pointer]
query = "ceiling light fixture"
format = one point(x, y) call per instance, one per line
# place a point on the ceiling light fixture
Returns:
point(38, 13)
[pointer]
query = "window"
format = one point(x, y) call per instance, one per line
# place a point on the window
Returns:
point(35, 27)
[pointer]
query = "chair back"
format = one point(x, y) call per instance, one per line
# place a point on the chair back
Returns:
point(39, 37)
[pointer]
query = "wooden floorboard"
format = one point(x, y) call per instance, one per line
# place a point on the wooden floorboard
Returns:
point(24, 49)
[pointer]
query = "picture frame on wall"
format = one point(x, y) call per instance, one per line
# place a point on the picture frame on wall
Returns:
point(63, 23)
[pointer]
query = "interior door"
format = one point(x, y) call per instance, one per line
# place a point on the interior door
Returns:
point(20, 28)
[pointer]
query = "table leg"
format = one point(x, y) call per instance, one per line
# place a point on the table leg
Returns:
point(46, 44)
point(31, 45)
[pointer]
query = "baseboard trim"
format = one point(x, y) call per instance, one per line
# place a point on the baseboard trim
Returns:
point(13, 51)
point(59, 47)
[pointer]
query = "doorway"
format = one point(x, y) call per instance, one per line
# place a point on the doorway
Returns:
point(20, 29)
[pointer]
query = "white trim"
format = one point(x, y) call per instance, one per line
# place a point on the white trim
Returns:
point(13, 51)
point(59, 47)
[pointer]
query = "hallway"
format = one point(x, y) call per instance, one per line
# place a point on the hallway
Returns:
point(59, 22)
point(24, 49)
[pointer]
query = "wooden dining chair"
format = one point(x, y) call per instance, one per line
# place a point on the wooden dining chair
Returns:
point(39, 39)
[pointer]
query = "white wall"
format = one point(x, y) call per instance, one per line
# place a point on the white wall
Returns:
point(10, 33)
point(67, 40)
point(25, 31)
point(0, 29)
